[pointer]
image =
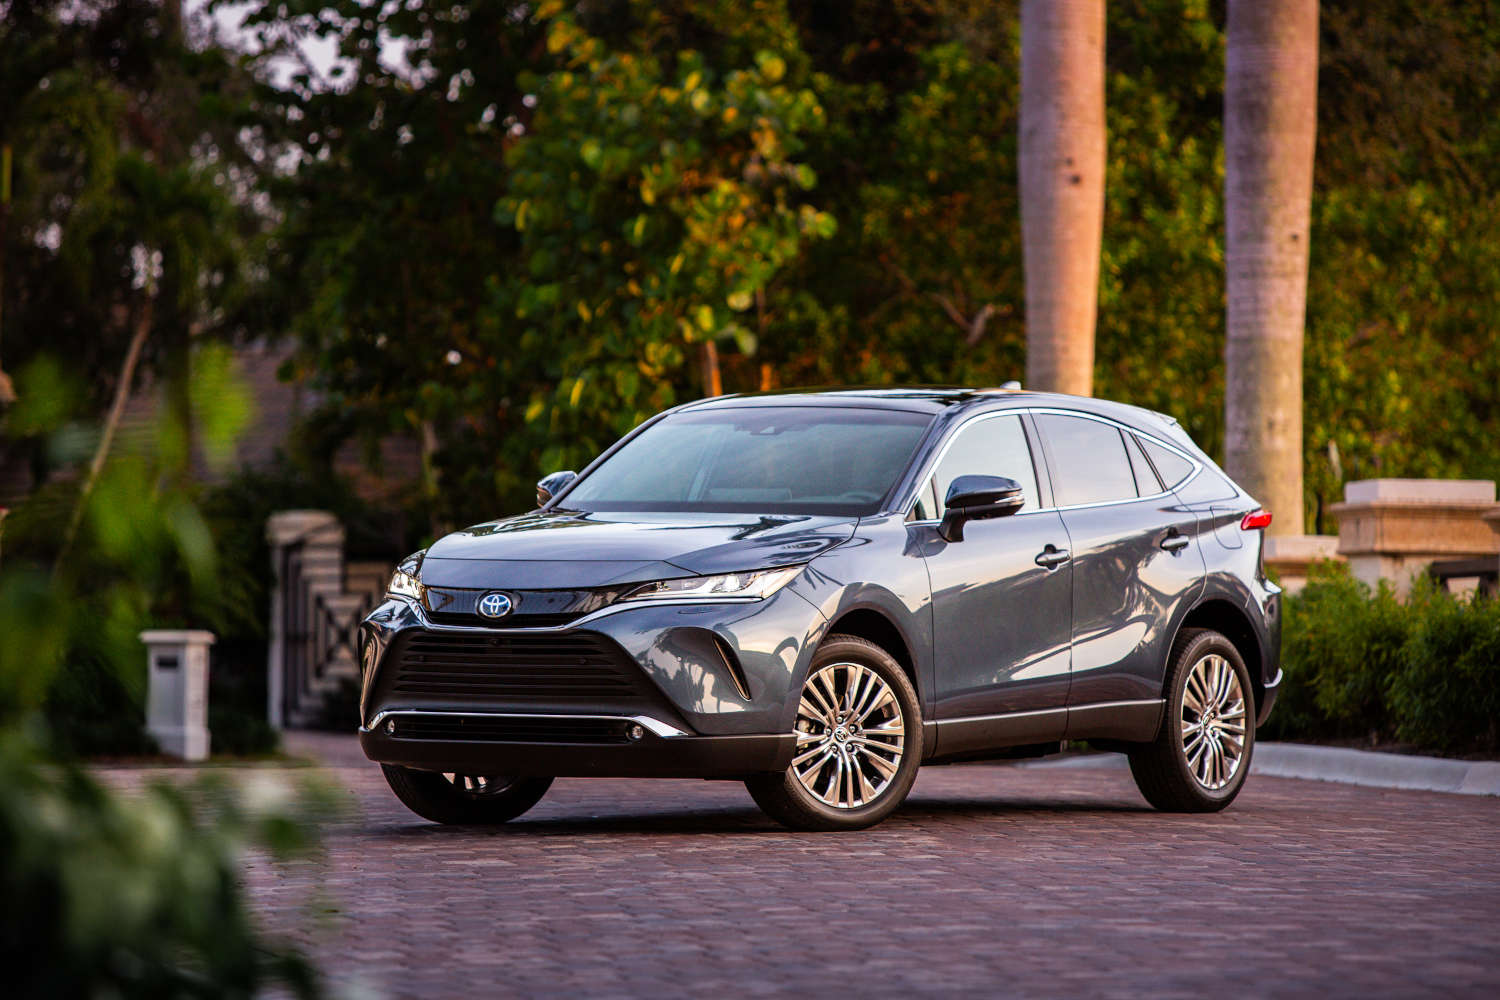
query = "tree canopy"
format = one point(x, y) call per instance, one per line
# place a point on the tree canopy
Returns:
point(507, 229)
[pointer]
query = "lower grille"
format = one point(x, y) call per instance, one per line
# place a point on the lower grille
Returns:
point(578, 667)
point(492, 729)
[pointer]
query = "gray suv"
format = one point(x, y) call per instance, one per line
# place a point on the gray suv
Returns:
point(818, 592)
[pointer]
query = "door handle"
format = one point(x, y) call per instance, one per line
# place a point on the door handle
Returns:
point(1174, 541)
point(1052, 557)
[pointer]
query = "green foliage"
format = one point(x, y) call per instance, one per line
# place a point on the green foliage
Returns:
point(514, 248)
point(384, 263)
point(655, 199)
point(1365, 666)
point(135, 569)
point(1340, 647)
point(132, 897)
point(133, 184)
point(110, 895)
point(1447, 694)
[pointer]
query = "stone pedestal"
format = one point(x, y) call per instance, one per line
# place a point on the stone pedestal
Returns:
point(1392, 529)
point(1291, 556)
point(177, 703)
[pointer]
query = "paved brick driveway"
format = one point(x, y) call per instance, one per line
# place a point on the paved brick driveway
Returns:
point(1000, 880)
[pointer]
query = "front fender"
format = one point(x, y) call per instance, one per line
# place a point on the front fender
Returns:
point(837, 583)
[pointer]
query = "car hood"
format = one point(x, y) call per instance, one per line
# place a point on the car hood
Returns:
point(558, 549)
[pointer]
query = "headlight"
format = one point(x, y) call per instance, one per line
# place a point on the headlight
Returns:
point(751, 586)
point(404, 582)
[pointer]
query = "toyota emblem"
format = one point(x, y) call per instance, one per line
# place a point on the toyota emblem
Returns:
point(494, 605)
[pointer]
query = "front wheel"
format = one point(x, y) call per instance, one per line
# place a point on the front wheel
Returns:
point(858, 733)
point(464, 798)
point(1201, 754)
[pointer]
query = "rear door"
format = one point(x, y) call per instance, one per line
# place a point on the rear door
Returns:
point(1001, 620)
point(1137, 565)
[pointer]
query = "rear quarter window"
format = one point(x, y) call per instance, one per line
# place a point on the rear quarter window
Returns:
point(1172, 467)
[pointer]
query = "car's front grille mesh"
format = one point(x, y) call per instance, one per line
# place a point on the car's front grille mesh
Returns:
point(512, 729)
point(560, 668)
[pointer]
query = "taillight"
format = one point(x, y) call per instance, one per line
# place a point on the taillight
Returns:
point(1255, 519)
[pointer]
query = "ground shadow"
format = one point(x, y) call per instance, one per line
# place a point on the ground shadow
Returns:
point(738, 821)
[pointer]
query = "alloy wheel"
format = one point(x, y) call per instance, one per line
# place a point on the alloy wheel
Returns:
point(478, 785)
point(1213, 722)
point(850, 736)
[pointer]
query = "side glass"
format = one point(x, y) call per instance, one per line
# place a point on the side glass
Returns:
point(993, 447)
point(1172, 466)
point(926, 508)
point(1092, 464)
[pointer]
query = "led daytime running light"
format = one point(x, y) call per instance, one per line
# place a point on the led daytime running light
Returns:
point(753, 585)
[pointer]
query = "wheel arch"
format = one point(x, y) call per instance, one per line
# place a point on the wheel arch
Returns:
point(875, 626)
point(1230, 621)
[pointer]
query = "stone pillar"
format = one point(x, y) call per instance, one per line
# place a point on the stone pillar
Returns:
point(1391, 529)
point(177, 703)
point(318, 538)
point(1292, 555)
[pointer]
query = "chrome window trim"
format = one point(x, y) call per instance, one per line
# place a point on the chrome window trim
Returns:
point(930, 469)
point(655, 726)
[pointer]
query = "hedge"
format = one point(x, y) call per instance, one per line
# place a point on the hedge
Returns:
point(1361, 664)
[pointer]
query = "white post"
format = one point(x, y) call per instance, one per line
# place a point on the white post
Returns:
point(177, 704)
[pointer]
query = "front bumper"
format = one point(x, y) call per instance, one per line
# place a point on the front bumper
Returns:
point(711, 686)
point(654, 754)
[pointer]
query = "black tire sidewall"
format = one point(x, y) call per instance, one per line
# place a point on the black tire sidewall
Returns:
point(433, 797)
point(1201, 645)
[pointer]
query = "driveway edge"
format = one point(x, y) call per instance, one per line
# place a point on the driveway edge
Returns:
point(1309, 762)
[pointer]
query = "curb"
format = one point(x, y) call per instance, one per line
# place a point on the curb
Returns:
point(1350, 767)
point(1381, 770)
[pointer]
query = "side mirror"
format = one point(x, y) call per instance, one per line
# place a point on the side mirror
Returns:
point(978, 498)
point(550, 486)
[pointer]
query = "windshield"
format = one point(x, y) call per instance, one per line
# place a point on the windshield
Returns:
point(772, 459)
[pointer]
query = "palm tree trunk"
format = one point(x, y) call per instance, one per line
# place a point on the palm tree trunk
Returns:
point(712, 384)
point(1062, 187)
point(1270, 128)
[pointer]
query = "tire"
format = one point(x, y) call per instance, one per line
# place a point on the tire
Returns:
point(864, 769)
point(460, 799)
point(1192, 765)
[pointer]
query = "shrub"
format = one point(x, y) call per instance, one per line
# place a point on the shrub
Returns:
point(105, 894)
point(1369, 666)
point(1340, 646)
point(133, 896)
point(1447, 693)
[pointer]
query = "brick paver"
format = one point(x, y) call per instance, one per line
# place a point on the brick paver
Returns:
point(1000, 880)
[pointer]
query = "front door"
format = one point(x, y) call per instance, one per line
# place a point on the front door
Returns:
point(1001, 619)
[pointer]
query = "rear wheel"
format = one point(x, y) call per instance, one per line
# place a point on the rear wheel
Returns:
point(1201, 753)
point(464, 798)
point(858, 733)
